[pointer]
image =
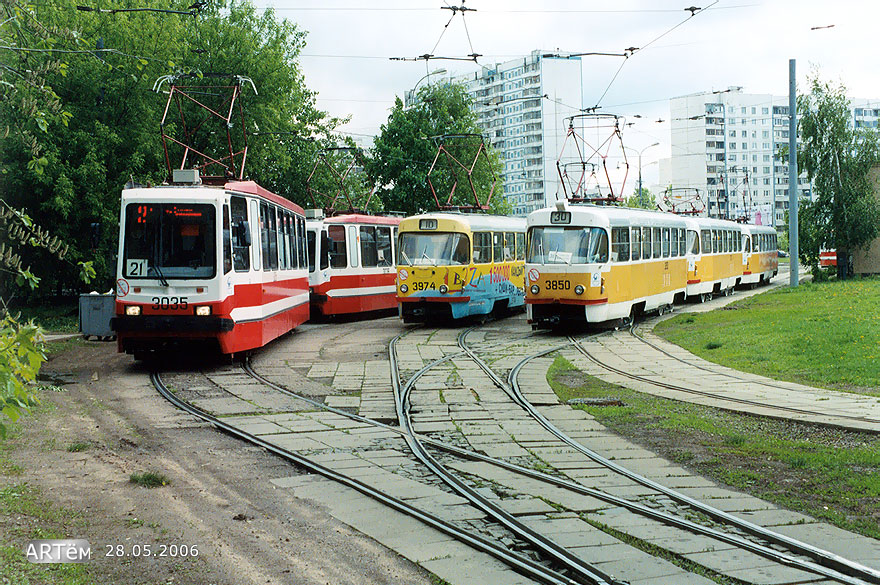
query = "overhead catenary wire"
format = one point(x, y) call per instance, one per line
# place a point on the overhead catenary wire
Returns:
point(633, 50)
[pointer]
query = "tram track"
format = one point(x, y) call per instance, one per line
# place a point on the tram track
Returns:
point(582, 572)
point(519, 562)
point(823, 562)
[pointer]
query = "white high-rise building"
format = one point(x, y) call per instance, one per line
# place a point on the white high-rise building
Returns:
point(521, 106)
point(725, 144)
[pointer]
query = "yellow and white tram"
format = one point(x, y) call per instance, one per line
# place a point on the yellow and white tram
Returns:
point(715, 259)
point(588, 263)
point(760, 254)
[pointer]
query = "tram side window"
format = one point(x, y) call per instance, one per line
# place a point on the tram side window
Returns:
point(264, 234)
point(520, 246)
point(725, 244)
point(303, 248)
point(241, 260)
point(665, 242)
point(693, 242)
point(716, 241)
point(269, 236)
point(636, 243)
point(369, 249)
point(324, 250)
point(337, 246)
point(312, 247)
point(673, 242)
point(646, 243)
point(498, 246)
point(294, 238)
point(482, 247)
point(657, 242)
point(706, 238)
point(283, 241)
point(383, 245)
point(227, 246)
point(509, 246)
point(747, 245)
point(620, 244)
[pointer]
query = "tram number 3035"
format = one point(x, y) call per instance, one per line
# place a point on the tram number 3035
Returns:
point(169, 303)
point(558, 285)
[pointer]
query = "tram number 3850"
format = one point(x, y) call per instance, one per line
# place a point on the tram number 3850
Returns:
point(172, 303)
point(558, 285)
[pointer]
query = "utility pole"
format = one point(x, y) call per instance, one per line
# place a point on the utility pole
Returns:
point(792, 176)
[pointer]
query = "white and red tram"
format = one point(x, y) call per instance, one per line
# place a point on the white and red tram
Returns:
point(222, 265)
point(351, 264)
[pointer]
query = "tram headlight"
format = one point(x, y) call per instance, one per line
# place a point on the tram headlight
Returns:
point(404, 289)
point(132, 310)
point(535, 289)
point(444, 289)
point(579, 289)
point(203, 310)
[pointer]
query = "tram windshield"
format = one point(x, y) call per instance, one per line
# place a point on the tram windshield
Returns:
point(567, 245)
point(433, 249)
point(169, 240)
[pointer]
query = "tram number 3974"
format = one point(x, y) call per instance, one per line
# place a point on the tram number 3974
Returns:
point(169, 303)
point(558, 285)
point(424, 286)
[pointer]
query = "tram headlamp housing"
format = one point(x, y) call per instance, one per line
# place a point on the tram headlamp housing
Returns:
point(203, 310)
point(132, 310)
point(404, 289)
point(444, 289)
point(579, 289)
point(535, 289)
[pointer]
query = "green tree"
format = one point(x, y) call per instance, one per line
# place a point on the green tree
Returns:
point(845, 214)
point(405, 149)
point(99, 123)
point(647, 200)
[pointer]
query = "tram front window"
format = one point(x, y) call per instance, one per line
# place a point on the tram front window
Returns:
point(434, 249)
point(567, 245)
point(170, 240)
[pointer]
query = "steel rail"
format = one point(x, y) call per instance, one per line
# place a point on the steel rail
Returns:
point(585, 572)
point(630, 505)
point(829, 564)
point(518, 562)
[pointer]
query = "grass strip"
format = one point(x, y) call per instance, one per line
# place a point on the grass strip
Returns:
point(829, 474)
point(821, 334)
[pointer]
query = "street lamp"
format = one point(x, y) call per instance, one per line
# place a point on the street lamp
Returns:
point(426, 76)
point(640, 163)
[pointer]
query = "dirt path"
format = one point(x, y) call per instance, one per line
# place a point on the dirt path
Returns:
point(219, 497)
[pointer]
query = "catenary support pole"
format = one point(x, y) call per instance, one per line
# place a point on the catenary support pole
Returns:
point(792, 175)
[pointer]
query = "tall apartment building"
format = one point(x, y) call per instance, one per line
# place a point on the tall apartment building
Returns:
point(521, 106)
point(726, 144)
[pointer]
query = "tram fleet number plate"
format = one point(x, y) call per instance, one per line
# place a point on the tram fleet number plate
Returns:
point(557, 217)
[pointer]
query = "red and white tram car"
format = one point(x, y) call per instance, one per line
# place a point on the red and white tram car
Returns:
point(221, 265)
point(351, 264)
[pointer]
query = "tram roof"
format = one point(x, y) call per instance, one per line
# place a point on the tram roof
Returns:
point(474, 221)
point(361, 218)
